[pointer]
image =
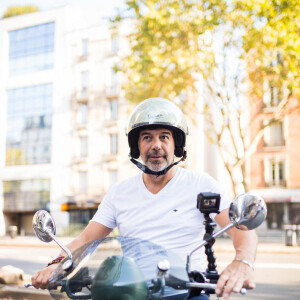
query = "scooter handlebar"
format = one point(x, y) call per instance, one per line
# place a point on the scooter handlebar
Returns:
point(211, 286)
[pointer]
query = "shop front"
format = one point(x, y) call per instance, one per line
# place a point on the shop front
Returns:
point(283, 206)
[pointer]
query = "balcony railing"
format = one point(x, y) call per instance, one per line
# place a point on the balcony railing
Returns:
point(274, 144)
point(82, 96)
point(112, 91)
point(79, 160)
point(279, 183)
point(81, 58)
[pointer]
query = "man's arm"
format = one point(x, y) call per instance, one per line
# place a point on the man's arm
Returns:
point(92, 232)
point(238, 273)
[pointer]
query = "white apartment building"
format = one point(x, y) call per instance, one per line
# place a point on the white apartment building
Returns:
point(63, 118)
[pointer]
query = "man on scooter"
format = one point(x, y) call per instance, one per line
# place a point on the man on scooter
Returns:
point(159, 204)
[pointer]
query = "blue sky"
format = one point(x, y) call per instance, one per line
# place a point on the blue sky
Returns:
point(104, 8)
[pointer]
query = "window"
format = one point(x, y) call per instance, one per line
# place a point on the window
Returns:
point(83, 146)
point(114, 43)
point(273, 94)
point(82, 182)
point(275, 173)
point(26, 195)
point(31, 48)
point(82, 216)
point(85, 48)
point(274, 134)
point(114, 78)
point(113, 83)
point(84, 83)
point(113, 108)
point(113, 177)
point(113, 144)
point(82, 116)
point(29, 125)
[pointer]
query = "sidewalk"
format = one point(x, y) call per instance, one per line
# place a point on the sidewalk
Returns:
point(225, 245)
point(266, 245)
point(31, 241)
point(16, 292)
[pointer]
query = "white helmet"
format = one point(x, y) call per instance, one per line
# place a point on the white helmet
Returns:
point(157, 113)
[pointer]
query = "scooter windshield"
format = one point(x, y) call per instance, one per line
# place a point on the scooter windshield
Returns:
point(121, 268)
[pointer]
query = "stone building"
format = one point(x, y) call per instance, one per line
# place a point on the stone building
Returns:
point(63, 118)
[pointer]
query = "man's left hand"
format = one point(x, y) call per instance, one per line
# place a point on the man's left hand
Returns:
point(236, 276)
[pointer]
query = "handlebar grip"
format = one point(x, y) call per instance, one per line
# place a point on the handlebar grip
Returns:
point(27, 284)
point(212, 286)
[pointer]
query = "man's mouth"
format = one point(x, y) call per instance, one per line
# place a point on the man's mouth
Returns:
point(156, 157)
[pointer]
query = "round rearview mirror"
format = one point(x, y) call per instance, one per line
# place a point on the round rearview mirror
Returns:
point(43, 224)
point(247, 211)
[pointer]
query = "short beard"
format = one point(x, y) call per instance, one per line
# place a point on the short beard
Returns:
point(156, 165)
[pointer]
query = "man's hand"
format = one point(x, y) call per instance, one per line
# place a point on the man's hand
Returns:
point(92, 232)
point(41, 278)
point(236, 276)
point(239, 273)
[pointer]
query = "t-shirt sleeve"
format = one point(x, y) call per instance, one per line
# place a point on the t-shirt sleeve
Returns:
point(105, 214)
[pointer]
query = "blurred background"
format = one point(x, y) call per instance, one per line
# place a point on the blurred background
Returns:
point(71, 72)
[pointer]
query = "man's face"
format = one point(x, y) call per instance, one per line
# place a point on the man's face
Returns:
point(156, 148)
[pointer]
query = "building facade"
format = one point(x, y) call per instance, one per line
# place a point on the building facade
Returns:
point(275, 164)
point(63, 118)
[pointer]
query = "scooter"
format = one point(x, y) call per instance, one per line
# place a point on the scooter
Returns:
point(125, 268)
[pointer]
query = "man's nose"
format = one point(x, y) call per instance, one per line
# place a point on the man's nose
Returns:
point(156, 144)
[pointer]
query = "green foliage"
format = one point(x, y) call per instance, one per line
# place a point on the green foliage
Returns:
point(19, 10)
point(173, 45)
point(170, 44)
point(271, 41)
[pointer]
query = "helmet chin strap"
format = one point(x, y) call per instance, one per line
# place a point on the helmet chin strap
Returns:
point(146, 170)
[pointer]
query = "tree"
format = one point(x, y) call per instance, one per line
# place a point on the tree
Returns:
point(271, 48)
point(175, 42)
point(226, 122)
point(13, 11)
point(271, 43)
point(172, 45)
point(171, 42)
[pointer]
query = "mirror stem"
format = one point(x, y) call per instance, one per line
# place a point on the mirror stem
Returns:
point(59, 244)
point(219, 232)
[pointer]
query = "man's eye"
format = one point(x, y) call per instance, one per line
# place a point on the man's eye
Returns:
point(165, 137)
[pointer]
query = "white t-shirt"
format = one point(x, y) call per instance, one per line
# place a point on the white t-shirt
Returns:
point(169, 218)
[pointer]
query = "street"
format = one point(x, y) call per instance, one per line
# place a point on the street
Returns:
point(28, 259)
point(277, 274)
